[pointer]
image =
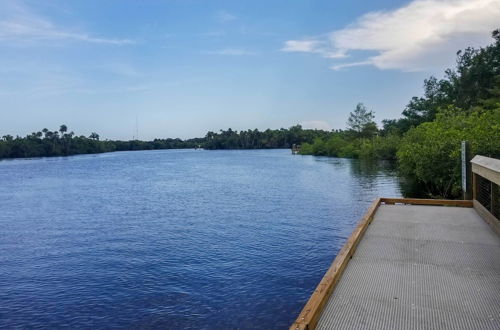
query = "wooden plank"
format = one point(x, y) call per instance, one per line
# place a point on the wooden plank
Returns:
point(417, 201)
point(308, 318)
point(489, 218)
point(486, 167)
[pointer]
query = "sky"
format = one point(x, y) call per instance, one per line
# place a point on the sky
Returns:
point(180, 68)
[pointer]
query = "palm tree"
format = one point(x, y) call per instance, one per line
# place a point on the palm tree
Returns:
point(94, 136)
point(63, 129)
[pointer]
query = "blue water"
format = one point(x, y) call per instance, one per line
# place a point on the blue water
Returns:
point(176, 238)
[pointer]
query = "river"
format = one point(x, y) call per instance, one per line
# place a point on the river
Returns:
point(187, 239)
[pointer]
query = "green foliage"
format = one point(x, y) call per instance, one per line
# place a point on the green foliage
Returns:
point(348, 145)
point(334, 145)
point(255, 139)
point(306, 149)
point(431, 152)
point(395, 126)
point(350, 150)
point(423, 109)
point(380, 147)
point(361, 122)
point(319, 147)
point(61, 143)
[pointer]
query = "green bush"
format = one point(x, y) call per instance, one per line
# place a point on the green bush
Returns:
point(306, 149)
point(431, 152)
point(350, 150)
point(319, 147)
point(334, 145)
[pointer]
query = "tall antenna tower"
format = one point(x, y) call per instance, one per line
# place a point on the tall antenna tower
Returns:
point(136, 128)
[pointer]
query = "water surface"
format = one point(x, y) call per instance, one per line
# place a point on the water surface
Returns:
point(174, 238)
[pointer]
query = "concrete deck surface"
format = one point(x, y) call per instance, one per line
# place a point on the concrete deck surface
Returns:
point(420, 267)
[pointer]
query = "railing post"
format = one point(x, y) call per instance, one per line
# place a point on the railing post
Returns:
point(474, 186)
point(466, 171)
point(493, 199)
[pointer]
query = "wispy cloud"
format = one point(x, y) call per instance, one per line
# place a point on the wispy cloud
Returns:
point(313, 46)
point(338, 67)
point(422, 35)
point(306, 46)
point(224, 16)
point(18, 23)
point(231, 52)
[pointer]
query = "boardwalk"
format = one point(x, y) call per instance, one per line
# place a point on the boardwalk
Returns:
point(420, 267)
point(418, 263)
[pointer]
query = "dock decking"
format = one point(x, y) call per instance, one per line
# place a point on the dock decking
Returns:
point(420, 267)
point(431, 266)
point(418, 264)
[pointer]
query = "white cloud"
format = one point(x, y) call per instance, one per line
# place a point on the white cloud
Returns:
point(231, 52)
point(422, 35)
point(308, 46)
point(224, 16)
point(312, 46)
point(19, 24)
point(316, 124)
point(338, 67)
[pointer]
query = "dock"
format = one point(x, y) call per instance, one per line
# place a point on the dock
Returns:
point(417, 264)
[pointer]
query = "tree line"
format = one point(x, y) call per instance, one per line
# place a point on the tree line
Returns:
point(425, 141)
point(47, 143)
point(268, 139)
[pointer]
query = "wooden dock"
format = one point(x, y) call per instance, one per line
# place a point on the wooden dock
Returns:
point(416, 264)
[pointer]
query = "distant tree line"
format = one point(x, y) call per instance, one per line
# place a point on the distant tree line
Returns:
point(268, 139)
point(425, 141)
point(63, 143)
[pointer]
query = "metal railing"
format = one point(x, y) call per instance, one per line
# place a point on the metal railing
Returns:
point(486, 187)
point(488, 196)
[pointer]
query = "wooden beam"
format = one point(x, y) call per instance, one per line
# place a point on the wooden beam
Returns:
point(309, 317)
point(486, 167)
point(417, 201)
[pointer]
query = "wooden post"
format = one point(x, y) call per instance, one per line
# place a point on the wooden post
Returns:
point(466, 171)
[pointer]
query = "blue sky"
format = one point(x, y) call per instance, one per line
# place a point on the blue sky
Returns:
point(183, 67)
